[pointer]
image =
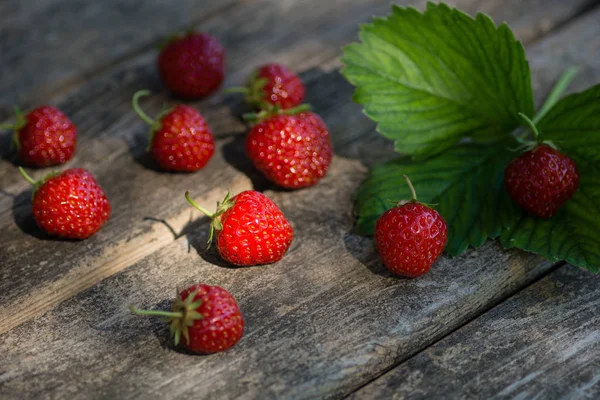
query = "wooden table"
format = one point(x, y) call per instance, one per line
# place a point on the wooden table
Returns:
point(328, 320)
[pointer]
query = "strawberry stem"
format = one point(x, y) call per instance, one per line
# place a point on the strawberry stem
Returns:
point(297, 109)
point(561, 85)
point(412, 188)
point(272, 111)
point(157, 313)
point(7, 126)
point(138, 109)
point(27, 177)
point(536, 134)
point(198, 207)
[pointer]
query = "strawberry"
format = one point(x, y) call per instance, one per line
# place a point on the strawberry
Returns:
point(44, 137)
point(208, 318)
point(250, 229)
point(273, 85)
point(69, 204)
point(410, 237)
point(542, 179)
point(291, 150)
point(192, 65)
point(180, 140)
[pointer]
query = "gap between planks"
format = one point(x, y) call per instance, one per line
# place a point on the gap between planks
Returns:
point(113, 259)
point(123, 254)
point(477, 315)
point(47, 92)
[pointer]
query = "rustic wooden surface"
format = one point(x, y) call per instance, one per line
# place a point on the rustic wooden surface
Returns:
point(542, 343)
point(324, 321)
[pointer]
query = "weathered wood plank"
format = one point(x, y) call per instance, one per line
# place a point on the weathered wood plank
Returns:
point(34, 33)
point(320, 322)
point(112, 147)
point(45, 271)
point(542, 343)
point(49, 45)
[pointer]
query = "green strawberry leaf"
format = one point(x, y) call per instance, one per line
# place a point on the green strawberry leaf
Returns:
point(465, 183)
point(430, 79)
point(573, 235)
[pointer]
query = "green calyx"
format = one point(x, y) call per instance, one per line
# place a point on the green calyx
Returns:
point(272, 111)
point(253, 92)
point(155, 124)
point(216, 224)
point(181, 317)
point(20, 122)
point(255, 96)
point(37, 184)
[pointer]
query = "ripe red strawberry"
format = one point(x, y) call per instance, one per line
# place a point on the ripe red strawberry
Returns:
point(250, 229)
point(410, 237)
point(293, 151)
point(192, 65)
point(44, 137)
point(70, 204)
point(541, 180)
point(208, 318)
point(180, 140)
point(273, 85)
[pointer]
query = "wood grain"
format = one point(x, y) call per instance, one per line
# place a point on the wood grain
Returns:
point(324, 321)
point(112, 140)
point(112, 146)
point(542, 343)
point(50, 45)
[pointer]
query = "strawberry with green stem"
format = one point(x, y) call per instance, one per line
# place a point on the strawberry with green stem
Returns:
point(542, 179)
point(410, 237)
point(69, 204)
point(249, 227)
point(208, 318)
point(272, 85)
point(180, 139)
point(290, 147)
point(44, 136)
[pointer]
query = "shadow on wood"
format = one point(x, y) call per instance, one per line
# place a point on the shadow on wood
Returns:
point(23, 217)
point(234, 152)
point(363, 249)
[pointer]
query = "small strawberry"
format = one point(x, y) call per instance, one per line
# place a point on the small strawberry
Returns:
point(208, 318)
point(542, 179)
point(250, 229)
point(44, 137)
point(292, 150)
point(192, 65)
point(180, 140)
point(69, 204)
point(410, 237)
point(273, 85)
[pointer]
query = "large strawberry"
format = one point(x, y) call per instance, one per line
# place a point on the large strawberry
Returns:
point(180, 139)
point(44, 137)
point(207, 317)
point(192, 65)
point(250, 229)
point(410, 237)
point(542, 179)
point(70, 204)
point(273, 85)
point(291, 148)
